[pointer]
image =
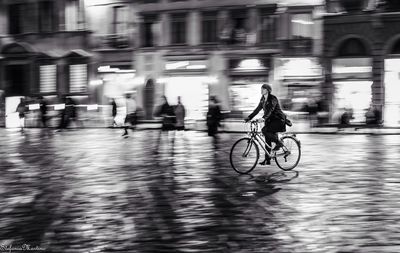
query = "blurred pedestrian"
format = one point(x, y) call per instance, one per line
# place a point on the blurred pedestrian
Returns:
point(214, 117)
point(113, 112)
point(68, 114)
point(130, 119)
point(312, 110)
point(373, 115)
point(21, 110)
point(166, 112)
point(346, 116)
point(180, 113)
point(43, 111)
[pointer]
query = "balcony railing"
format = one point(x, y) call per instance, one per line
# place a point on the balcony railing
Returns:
point(112, 41)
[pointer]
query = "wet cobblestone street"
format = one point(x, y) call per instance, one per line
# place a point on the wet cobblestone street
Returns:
point(91, 190)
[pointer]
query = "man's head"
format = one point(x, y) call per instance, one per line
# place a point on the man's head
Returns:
point(164, 99)
point(266, 89)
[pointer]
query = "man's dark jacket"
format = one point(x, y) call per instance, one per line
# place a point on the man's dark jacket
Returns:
point(273, 113)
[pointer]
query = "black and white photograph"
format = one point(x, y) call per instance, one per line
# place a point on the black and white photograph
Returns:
point(194, 126)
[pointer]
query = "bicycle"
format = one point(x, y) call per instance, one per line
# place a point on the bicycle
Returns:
point(245, 152)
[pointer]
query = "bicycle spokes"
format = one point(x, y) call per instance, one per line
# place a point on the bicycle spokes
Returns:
point(290, 156)
point(244, 155)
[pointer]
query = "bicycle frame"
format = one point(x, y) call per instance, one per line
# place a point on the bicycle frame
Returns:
point(259, 139)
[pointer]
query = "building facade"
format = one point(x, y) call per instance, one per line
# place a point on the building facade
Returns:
point(361, 60)
point(44, 52)
point(95, 50)
point(197, 49)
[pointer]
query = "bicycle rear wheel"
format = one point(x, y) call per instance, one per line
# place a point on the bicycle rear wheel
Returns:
point(289, 156)
point(244, 155)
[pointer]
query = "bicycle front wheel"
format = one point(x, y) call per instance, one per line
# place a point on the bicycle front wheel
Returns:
point(244, 155)
point(289, 156)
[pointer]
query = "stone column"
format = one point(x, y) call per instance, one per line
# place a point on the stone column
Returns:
point(377, 89)
point(327, 86)
point(165, 33)
point(62, 79)
point(252, 26)
point(193, 35)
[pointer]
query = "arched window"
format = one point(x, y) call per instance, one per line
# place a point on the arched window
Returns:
point(352, 47)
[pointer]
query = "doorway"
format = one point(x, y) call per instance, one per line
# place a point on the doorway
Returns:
point(17, 82)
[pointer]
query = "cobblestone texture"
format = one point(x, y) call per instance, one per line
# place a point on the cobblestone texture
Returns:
point(91, 190)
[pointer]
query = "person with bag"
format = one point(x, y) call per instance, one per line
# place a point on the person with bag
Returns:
point(274, 119)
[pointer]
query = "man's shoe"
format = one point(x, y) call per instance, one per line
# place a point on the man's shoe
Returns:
point(266, 162)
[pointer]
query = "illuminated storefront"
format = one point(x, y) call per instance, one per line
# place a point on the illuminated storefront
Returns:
point(246, 77)
point(189, 80)
point(392, 91)
point(352, 81)
point(300, 80)
point(117, 80)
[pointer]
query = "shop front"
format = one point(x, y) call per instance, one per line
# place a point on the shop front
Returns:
point(300, 82)
point(18, 77)
point(116, 80)
point(246, 77)
point(113, 83)
point(352, 86)
point(190, 80)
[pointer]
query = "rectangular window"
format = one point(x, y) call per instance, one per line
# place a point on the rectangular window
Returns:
point(29, 14)
point(73, 16)
point(14, 19)
point(178, 29)
point(209, 27)
point(239, 25)
point(48, 78)
point(268, 25)
point(77, 78)
point(22, 18)
point(149, 29)
point(120, 20)
point(302, 26)
point(46, 16)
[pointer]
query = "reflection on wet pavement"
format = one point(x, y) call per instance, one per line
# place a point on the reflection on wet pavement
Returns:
point(93, 191)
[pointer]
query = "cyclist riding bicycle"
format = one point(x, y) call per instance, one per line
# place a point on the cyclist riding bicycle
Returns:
point(274, 119)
